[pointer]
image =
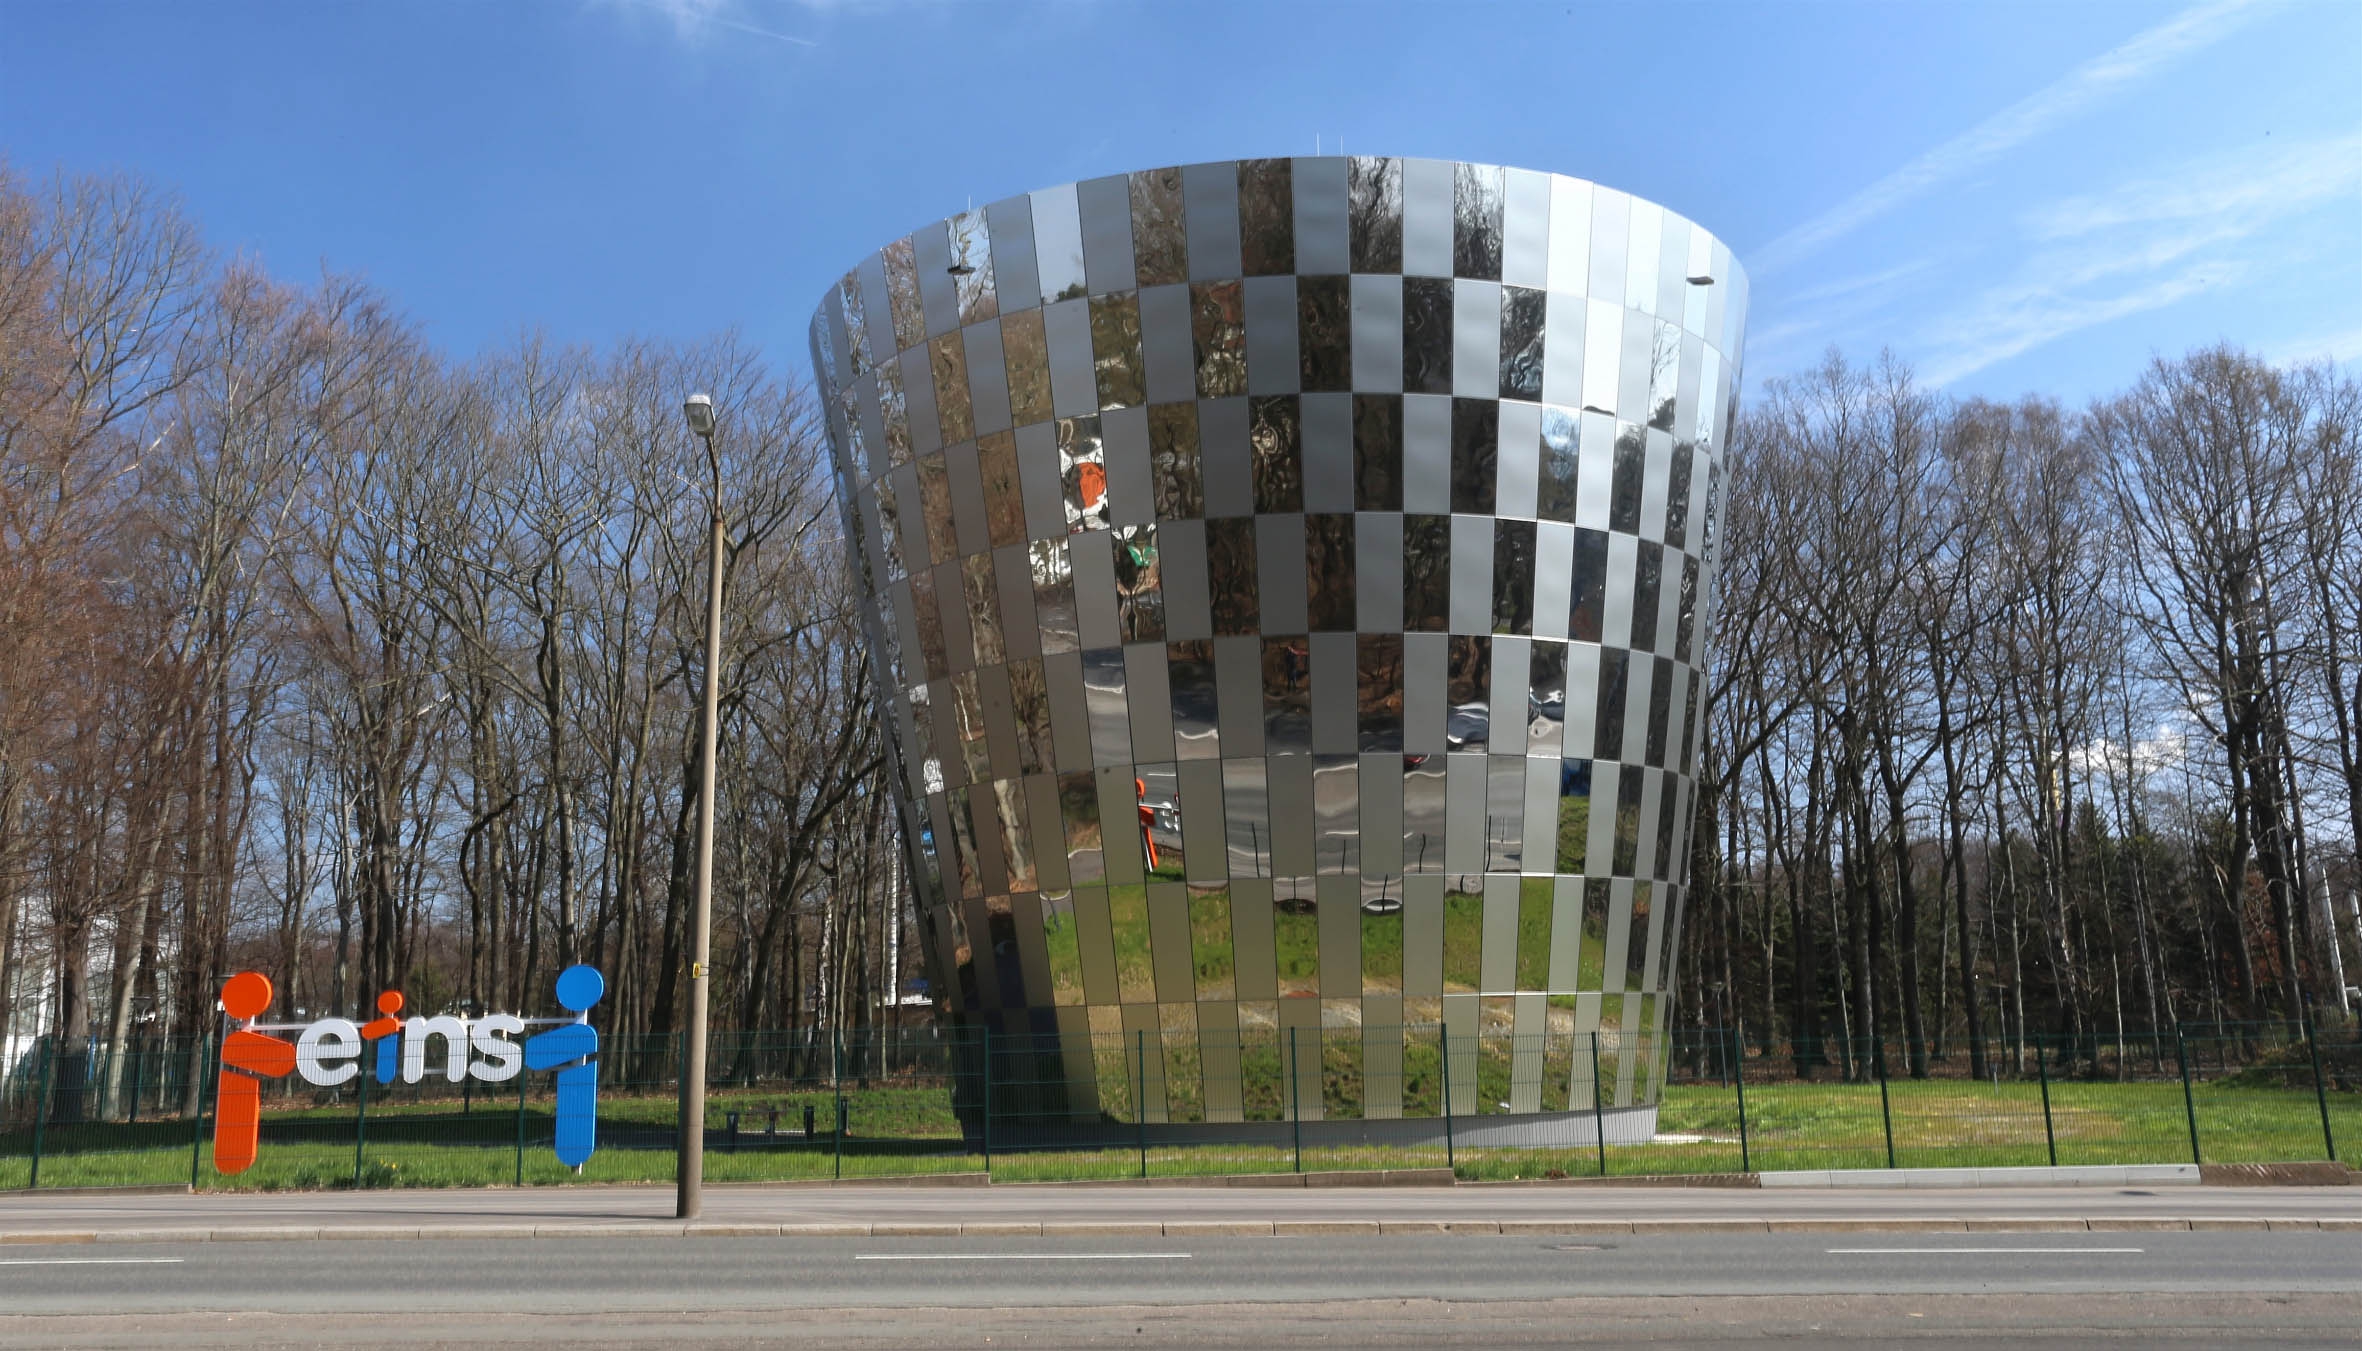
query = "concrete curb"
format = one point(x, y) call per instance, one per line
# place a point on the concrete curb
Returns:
point(1934, 1224)
point(2110, 1175)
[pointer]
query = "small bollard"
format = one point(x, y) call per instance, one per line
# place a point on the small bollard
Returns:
point(731, 1118)
point(809, 1114)
point(772, 1130)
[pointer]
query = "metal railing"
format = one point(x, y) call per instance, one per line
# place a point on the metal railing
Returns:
point(1165, 1098)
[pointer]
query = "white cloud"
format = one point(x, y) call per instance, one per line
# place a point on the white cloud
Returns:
point(2223, 187)
point(692, 19)
point(2144, 244)
point(1810, 319)
point(2004, 326)
point(2338, 345)
point(2094, 81)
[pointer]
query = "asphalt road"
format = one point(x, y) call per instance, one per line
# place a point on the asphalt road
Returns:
point(31, 1212)
point(2282, 1289)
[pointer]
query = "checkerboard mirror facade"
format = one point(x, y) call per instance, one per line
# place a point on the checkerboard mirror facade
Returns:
point(1290, 583)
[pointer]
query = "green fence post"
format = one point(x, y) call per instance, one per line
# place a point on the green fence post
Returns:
point(1739, 1078)
point(836, 1079)
point(1295, 1099)
point(2181, 1053)
point(2320, 1087)
point(197, 1127)
point(1886, 1113)
point(2050, 1135)
point(1140, 1099)
point(41, 1106)
point(987, 1104)
point(134, 1116)
point(1598, 1104)
point(1443, 1038)
point(520, 1125)
point(360, 1121)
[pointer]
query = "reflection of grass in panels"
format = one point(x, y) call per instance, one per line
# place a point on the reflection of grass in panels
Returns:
point(1113, 1061)
point(1591, 958)
point(1340, 1070)
point(1211, 949)
point(1295, 938)
point(1463, 939)
point(1381, 953)
point(1533, 933)
point(1127, 916)
point(1422, 1073)
point(1574, 832)
point(1168, 860)
point(1558, 1064)
point(1492, 1073)
point(1184, 1076)
point(1066, 958)
point(1594, 961)
point(1262, 1064)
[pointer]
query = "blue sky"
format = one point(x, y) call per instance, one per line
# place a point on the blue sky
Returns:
point(2013, 196)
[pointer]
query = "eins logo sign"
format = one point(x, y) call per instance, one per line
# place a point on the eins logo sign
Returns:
point(328, 1052)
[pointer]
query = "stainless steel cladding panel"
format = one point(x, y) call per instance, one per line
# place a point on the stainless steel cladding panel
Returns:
point(1290, 581)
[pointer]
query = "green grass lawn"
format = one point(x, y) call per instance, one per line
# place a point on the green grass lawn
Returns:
point(912, 1128)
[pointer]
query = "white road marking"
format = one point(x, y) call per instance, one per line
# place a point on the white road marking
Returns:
point(1948, 1251)
point(91, 1261)
point(1017, 1256)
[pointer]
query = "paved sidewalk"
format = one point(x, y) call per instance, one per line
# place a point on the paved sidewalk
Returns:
point(866, 1211)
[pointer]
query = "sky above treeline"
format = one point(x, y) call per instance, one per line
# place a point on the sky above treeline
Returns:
point(2014, 197)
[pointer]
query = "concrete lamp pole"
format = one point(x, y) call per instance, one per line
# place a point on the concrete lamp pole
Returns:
point(690, 1199)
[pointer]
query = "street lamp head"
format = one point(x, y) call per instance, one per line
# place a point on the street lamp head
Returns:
point(699, 408)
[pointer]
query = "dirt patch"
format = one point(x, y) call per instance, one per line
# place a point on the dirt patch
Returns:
point(2275, 1175)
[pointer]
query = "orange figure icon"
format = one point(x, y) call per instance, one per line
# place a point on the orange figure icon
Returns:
point(385, 1030)
point(237, 1118)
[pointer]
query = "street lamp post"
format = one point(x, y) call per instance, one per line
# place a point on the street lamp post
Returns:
point(699, 408)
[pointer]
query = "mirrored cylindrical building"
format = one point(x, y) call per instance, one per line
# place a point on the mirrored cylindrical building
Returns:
point(1289, 583)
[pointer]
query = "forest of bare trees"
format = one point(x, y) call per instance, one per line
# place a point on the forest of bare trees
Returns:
point(2029, 719)
point(328, 654)
point(325, 654)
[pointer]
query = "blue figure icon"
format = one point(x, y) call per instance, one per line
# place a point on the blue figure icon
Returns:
point(386, 1030)
point(579, 987)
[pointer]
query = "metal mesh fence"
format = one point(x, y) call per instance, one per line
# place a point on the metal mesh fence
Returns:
point(1156, 1100)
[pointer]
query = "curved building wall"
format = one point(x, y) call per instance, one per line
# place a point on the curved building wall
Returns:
point(1289, 582)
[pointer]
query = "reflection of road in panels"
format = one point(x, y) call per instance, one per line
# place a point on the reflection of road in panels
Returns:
point(1336, 812)
point(1246, 800)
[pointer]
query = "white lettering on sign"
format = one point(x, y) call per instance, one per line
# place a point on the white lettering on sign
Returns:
point(500, 1058)
point(326, 1052)
point(414, 1047)
point(331, 1051)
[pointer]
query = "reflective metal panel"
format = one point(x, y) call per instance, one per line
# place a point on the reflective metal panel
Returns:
point(1160, 240)
point(1217, 316)
point(1427, 335)
point(1266, 211)
point(1324, 333)
point(1374, 213)
point(1237, 538)
point(1476, 221)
